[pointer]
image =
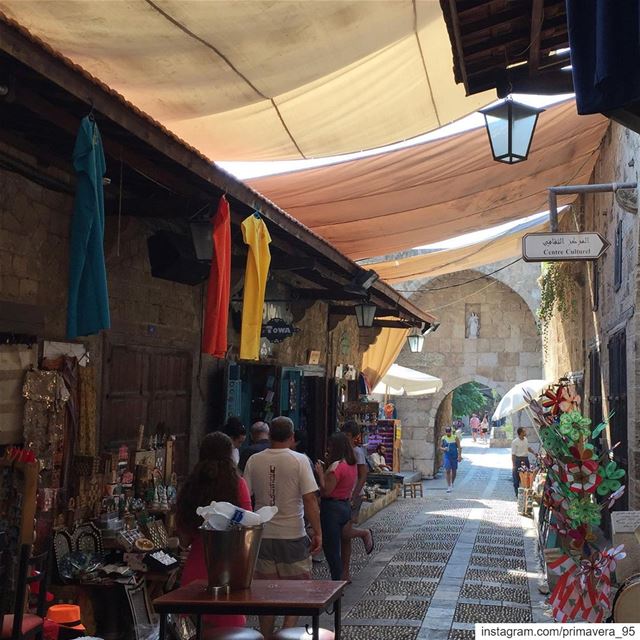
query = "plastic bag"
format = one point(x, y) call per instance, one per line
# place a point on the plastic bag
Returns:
point(222, 515)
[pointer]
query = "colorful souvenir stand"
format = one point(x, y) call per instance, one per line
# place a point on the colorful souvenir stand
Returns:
point(576, 474)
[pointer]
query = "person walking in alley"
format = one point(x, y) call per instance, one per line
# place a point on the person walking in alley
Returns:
point(352, 431)
point(452, 449)
point(484, 429)
point(474, 423)
point(284, 478)
point(259, 442)
point(238, 434)
point(520, 451)
point(337, 479)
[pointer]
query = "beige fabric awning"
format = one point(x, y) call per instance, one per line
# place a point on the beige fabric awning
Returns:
point(437, 263)
point(437, 190)
point(264, 80)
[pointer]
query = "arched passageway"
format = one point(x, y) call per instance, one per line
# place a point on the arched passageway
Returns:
point(499, 349)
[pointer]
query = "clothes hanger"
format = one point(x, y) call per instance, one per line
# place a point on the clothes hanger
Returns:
point(256, 214)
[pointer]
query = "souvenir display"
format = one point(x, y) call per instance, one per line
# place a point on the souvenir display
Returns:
point(576, 475)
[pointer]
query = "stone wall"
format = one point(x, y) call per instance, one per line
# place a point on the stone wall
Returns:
point(145, 311)
point(507, 351)
point(574, 334)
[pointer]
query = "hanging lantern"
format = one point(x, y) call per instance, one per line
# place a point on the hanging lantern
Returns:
point(365, 313)
point(416, 341)
point(510, 126)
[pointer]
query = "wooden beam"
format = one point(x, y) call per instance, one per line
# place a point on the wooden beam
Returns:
point(54, 68)
point(457, 43)
point(537, 20)
point(393, 324)
point(326, 294)
point(347, 310)
point(279, 263)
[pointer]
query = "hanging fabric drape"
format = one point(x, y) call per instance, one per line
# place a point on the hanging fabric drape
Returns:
point(88, 304)
point(379, 357)
point(256, 235)
point(214, 339)
point(437, 263)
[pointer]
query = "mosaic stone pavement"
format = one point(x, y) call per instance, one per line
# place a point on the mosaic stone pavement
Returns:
point(443, 562)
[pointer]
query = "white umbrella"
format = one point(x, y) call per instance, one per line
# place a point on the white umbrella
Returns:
point(514, 399)
point(400, 380)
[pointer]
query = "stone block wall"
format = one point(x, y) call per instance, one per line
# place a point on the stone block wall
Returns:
point(573, 335)
point(145, 311)
point(507, 351)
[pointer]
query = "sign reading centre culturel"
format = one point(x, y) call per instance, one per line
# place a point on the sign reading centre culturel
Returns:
point(547, 247)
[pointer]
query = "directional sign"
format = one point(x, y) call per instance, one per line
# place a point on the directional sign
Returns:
point(547, 247)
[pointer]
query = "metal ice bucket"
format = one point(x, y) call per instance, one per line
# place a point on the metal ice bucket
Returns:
point(231, 557)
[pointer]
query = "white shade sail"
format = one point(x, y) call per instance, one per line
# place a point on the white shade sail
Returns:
point(265, 80)
point(514, 399)
point(401, 380)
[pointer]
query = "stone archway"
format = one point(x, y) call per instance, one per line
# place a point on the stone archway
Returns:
point(506, 351)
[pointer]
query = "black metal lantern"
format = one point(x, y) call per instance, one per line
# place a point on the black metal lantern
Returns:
point(416, 341)
point(365, 313)
point(202, 239)
point(510, 126)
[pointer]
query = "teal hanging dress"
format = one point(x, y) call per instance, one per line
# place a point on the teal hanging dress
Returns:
point(88, 306)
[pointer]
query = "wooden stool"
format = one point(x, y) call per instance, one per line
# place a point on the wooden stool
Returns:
point(232, 633)
point(416, 488)
point(301, 633)
point(408, 489)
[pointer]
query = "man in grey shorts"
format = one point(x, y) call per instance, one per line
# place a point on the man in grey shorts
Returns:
point(283, 478)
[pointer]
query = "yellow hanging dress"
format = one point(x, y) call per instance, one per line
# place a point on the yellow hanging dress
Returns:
point(256, 236)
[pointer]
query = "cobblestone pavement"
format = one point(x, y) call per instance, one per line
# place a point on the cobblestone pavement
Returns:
point(446, 561)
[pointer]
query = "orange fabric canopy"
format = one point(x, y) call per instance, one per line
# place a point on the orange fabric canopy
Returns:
point(437, 263)
point(437, 190)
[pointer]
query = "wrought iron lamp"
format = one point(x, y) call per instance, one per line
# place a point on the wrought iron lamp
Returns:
point(510, 126)
point(365, 313)
point(416, 341)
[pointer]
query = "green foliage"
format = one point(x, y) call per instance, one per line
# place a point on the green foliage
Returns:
point(555, 295)
point(468, 398)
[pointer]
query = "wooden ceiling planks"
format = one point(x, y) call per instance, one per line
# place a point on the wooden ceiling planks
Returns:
point(505, 44)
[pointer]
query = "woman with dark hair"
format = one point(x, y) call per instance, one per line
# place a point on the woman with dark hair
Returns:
point(238, 434)
point(214, 478)
point(336, 482)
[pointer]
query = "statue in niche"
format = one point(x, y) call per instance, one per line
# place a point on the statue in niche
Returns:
point(473, 325)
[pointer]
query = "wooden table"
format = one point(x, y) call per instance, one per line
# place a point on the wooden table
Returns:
point(264, 597)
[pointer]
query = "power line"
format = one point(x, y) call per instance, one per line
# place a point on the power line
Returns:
point(459, 284)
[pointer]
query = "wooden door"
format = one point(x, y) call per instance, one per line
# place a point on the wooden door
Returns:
point(618, 406)
point(149, 386)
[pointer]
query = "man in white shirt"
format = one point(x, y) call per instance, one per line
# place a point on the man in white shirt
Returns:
point(520, 451)
point(284, 478)
point(378, 459)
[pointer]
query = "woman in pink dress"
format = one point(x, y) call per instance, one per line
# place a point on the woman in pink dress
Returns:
point(215, 477)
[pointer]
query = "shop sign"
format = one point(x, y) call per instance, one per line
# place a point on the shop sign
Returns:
point(547, 247)
point(277, 330)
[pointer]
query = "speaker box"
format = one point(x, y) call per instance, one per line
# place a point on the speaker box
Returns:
point(172, 257)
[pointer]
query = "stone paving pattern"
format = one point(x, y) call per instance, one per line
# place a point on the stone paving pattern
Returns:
point(445, 561)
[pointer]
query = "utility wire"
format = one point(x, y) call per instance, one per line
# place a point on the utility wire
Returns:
point(459, 284)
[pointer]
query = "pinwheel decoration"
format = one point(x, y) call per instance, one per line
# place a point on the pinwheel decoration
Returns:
point(575, 474)
point(560, 400)
point(582, 476)
point(574, 425)
point(583, 591)
point(610, 476)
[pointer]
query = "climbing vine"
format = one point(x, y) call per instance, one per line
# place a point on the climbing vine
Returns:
point(555, 284)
